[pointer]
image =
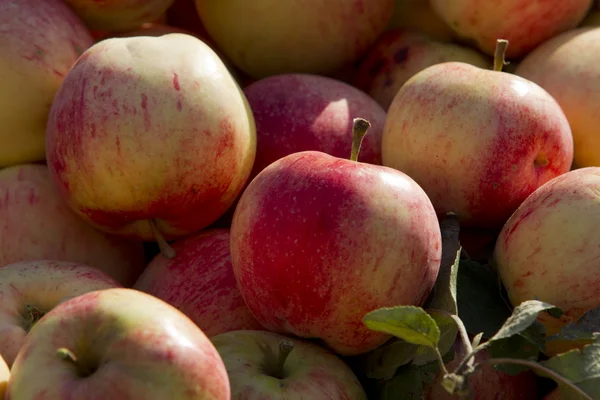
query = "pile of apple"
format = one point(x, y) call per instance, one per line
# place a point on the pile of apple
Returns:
point(234, 199)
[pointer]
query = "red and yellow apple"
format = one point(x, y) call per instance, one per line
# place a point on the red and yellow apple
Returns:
point(39, 42)
point(31, 289)
point(200, 283)
point(150, 134)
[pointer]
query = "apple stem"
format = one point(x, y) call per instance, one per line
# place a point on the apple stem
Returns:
point(165, 249)
point(359, 130)
point(499, 61)
point(34, 314)
point(70, 357)
point(285, 348)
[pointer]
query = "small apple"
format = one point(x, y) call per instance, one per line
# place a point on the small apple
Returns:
point(270, 366)
point(566, 66)
point(39, 42)
point(36, 224)
point(293, 36)
point(118, 15)
point(318, 241)
point(200, 283)
point(478, 141)
point(150, 136)
point(31, 289)
point(547, 249)
point(117, 344)
point(401, 53)
point(524, 23)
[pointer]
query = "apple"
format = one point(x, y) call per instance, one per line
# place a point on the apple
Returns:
point(298, 112)
point(118, 15)
point(30, 289)
point(117, 344)
point(39, 42)
point(546, 250)
point(147, 29)
point(267, 365)
point(487, 383)
point(419, 16)
point(401, 53)
point(270, 37)
point(317, 241)
point(478, 141)
point(200, 283)
point(567, 67)
point(4, 375)
point(553, 395)
point(36, 224)
point(524, 23)
point(150, 137)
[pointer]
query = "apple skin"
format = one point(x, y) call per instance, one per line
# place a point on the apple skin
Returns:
point(295, 36)
point(525, 24)
point(311, 372)
point(138, 347)
point(418, 15)
point(300, 112)
point(4, 376)
point(567, 67)
point(118, 15)
point(536, 263)
point(399, 54)
point(476, 140)
point(40, 41)
point(200, 283)
point(150, 128)
point(36, 224)
point(487, 383)
point(42, 284)
point(318, 241)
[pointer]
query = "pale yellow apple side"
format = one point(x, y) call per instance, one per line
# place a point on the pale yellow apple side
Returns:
point(567, 67)
point(155, 145)
point(4, 376)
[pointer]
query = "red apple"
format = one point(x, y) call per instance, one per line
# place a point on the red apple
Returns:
point(269, 366)
point(270, 37)
point(487, 383)
point(399, 54)
point(478, 141)
point(200, 283)
point(30, 289)
point(548, 249)
point(524, 23)
point(118, 15)
point(39, 42)
point(299, 112)
point(117, 344)
point(36, 224)
point(150, 134)
point(318, 241)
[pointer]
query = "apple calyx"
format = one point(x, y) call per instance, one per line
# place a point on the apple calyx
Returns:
point(32, 315)
point(165, 249)
point(499, 54)
point(67, 355)
point(541, 160)
point(360, 127)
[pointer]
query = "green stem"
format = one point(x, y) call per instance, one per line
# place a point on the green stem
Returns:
point(359, 130)
point(285, 348)
point(68, 356)
point(557, 377)
point(499, 61)
point(464, 336)
point(165, 249)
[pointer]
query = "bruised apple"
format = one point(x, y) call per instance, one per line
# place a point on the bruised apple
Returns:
point(39, 42)
point(36, 224)
point(150, 137)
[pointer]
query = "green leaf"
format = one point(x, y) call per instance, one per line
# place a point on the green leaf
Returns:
point(581, 367)
point(384, 361)
point(523, 316)
point(448, 331)
point(409, 323)
point(405, 385)
point(444, 292)
point(481, 306)
point(513, 347)
point(536, 335)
